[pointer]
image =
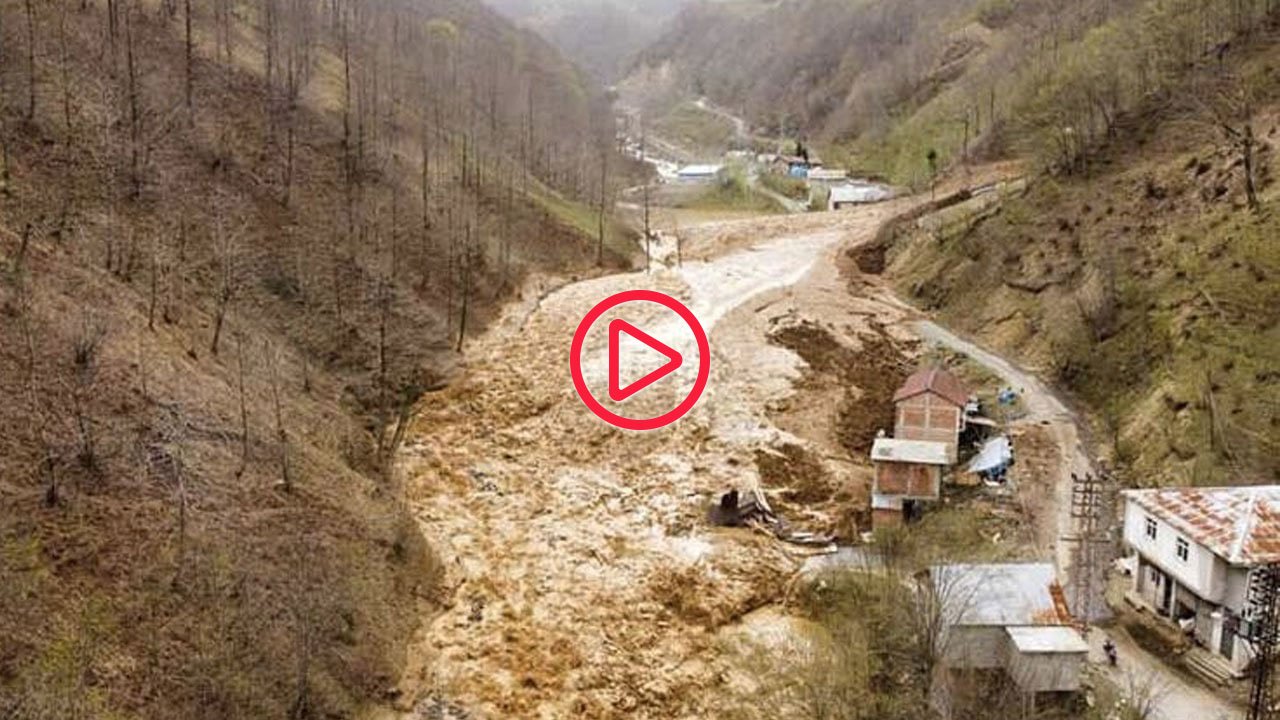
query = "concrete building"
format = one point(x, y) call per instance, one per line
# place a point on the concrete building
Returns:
point(907, 472)
point(1192, 553)
point(853, 194)
point(1011, 618)
point(930, 406)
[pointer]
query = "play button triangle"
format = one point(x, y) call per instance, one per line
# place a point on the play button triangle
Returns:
point(616, 328)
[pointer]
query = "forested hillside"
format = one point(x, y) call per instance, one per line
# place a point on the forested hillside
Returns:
point(238, 241)
point(880, 83)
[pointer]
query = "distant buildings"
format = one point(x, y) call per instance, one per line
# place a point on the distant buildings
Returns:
point(1193, 553)
point(1010, 617)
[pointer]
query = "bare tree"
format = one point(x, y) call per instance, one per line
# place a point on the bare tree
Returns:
point(227, 257)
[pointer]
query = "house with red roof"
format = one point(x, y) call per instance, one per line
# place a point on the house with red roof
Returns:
point(1194, 551)
point(930, 407)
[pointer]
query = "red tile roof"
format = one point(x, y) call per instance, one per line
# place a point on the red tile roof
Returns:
point(1239, 524)
point(935, 380)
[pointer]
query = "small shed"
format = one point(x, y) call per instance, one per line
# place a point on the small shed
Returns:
point(930, 406)
point(1011, 617)
point(909, 469)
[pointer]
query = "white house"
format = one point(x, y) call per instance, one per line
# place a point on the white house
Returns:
point(1193, 550)
point(1006, 616)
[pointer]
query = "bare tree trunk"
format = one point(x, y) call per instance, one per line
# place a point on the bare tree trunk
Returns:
point(190, 68)
point(1246, 149)
point(244, 408)
point(282, 437)
point(135, 113)
point(29, 5)
point(466, 289)
point(604, 195)
point(65, 63)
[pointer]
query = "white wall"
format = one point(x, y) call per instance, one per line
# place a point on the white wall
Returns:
point(1203, 572)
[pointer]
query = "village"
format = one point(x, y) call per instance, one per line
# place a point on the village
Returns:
point(1180, 576)
point(1195, 566)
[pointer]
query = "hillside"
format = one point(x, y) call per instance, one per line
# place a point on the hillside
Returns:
point(878, 84)
point(1147, 284)
point(601, 36)
point(237, 243)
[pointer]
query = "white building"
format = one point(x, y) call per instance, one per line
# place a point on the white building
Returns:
point(854, 194)
point(1193, 550)
point(698, 173)
point(1007, 616)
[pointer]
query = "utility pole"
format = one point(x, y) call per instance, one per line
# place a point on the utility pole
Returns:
point(1088, 507)
point(1263, 634)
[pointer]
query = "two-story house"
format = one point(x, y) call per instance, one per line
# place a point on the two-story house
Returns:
point(930, 406)
point(1194, 549)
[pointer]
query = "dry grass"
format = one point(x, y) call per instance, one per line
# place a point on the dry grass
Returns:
point(174, 574)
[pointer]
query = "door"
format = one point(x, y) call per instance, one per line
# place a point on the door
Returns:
point(1166, 593)
point(1230, 626)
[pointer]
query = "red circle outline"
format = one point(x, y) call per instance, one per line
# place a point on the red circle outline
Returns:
point(580, 337)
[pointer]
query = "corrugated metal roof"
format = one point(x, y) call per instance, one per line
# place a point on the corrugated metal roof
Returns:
point(924, 452)
point(1003, 594)
point(935, 380)
point(1047, 639)
point(1239, 524)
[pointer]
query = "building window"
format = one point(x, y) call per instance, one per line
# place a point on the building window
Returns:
point(1151, 529)
point(1183, 550)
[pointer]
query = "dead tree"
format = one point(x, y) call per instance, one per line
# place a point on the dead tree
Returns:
point(189, 44)
point(30, 7)
point(86, 350)
point(228, 282)
point(1230, 108)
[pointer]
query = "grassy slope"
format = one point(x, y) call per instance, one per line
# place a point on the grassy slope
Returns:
point(1147, 289)
point(171, 578)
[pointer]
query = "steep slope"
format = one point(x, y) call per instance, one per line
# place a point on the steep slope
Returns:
point(222, 281)
point(1146, 284)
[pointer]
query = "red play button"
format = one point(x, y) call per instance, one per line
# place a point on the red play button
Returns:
point(649, 346)
point(617, 393)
